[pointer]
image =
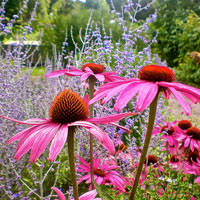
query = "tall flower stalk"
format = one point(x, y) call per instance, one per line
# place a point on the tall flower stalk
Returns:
point(152, 115)
point(70, 142)
point(91, 92)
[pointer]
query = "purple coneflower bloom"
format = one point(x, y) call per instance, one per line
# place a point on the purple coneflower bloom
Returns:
point(104, 173)
point(152, 79)
point(87, 196)
point(67, 110)
point(169, 133)
point(87, 70)
point(190, 138)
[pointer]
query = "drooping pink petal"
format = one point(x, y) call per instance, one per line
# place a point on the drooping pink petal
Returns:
point(110, 118)
point(85, 76)
point(59, 193)
point(83, 161)
point(96, 163)
point(40, 121)
point(146, 95)
point(99, 77)
point(99, 180)
point(26, 145)
point(197, 180)
point(89, 195)
point(108, 144)
point(92, 128)
point(126, 95)
point(83, 178)
point(183, 88)
point(37, 129)
point(74, 73)
point(184, 104)
point(111, 93)
point(42, 141)
point(58, 142)
point(56, 73)
point(86, 99)
point(21, 134)
point(121, 127)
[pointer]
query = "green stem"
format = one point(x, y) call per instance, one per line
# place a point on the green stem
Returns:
point(70, 141)
point(91, 92)
point(152, 114)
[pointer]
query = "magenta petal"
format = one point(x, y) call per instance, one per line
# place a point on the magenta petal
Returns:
point(40, 121)
point(111, 93)
point(147, 93)
point(26, 145)
point(183, 88)
point(42, 141)
point(108, 144)
point(59, 193)
point(21, 134)
point(126, 95)
point(99, 77)
point(83, 178)
point(85, 76)
point(83, 161)
point(56, 73)
point(98, 97)
point(88, 195)
point(110, 118)
point(197, 180)
point(58, 142)
point(184, 104)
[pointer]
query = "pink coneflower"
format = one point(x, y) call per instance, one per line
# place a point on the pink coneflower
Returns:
point(169, 133)
point(103, 173)
point(152, 79)
point(87, 196)
point(190, 138)
point(192, 164)
point(175, 161)
point(87, 70)
point(68, 110)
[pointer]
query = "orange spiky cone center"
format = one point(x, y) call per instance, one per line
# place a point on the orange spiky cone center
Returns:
point(68, 107)
point(94, 67)
point(151, 160)
point(184, 124)
point(156, 73)
point(193, 132)
point(99, 172)
point(168, 130)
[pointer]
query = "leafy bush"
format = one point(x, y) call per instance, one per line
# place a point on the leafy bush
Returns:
point(178, 30)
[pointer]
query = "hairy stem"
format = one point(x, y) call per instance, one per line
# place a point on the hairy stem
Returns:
point(91, 92)
point(70, 141)
point(152, 114)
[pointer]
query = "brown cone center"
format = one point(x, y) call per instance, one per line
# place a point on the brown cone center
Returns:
point(167, 130)
point(94, 67)
point(151, 160)
point(184, 124)
point(99, 172)
point(68, 107)
point(156, 73)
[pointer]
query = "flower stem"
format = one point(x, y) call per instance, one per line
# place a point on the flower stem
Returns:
point(91, 92)
point(152, 114)
point(70, 141)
